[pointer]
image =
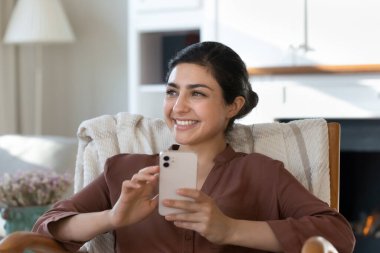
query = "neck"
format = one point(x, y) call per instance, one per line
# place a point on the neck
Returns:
point(206, 155)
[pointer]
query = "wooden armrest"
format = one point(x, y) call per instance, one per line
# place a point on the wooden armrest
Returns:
point(318, 244)
point(17, 242)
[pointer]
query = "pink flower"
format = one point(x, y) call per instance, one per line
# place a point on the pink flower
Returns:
point(36, 187)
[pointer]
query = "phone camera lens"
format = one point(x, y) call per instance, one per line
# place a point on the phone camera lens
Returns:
point(166, 158)
point(166, 165)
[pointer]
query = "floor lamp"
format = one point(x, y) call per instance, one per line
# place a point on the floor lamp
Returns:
point(38, 22)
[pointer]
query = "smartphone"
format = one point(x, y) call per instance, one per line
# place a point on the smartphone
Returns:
point(177, 170)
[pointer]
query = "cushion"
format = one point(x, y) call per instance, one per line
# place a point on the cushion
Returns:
point(19, 152)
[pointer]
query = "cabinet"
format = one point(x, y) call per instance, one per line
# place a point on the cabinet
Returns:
point(326, 96)
point(263, 33)
point(344, 32)
point(339, 32)
point(332, 101)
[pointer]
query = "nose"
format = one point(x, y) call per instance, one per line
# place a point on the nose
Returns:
point(181, 104)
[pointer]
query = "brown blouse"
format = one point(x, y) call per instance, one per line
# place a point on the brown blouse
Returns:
point(244, 186)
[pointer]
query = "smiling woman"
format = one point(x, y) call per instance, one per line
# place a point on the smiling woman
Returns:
point(243, 202)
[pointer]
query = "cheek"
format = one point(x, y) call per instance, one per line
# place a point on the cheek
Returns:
point(223, 116)
point(221, 110)
point(167, 110)
point(166, 105)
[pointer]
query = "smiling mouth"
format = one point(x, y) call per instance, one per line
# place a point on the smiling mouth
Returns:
point(185, 122)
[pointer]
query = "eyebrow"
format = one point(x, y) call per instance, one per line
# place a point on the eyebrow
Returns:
point(190, 86)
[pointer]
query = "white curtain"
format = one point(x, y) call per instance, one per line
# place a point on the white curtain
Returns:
point(9, 94)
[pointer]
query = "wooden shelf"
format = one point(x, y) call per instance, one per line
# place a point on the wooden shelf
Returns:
point(317, 69)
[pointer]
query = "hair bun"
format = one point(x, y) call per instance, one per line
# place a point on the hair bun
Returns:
point(251, 100)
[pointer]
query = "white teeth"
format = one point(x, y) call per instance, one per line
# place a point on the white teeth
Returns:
point(185, 122)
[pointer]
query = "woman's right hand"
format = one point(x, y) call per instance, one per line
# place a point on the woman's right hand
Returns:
point(136, 199)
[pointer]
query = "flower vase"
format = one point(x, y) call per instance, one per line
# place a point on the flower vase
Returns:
point(21, 218)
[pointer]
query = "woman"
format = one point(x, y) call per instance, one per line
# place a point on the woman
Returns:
point(243, 202)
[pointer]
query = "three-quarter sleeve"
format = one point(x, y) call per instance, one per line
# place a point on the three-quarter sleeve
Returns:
point(304, 215)
point(94, 197)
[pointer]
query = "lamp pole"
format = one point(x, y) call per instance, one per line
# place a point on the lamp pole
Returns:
point(38, 90)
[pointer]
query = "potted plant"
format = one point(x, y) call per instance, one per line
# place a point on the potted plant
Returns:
point(24, 196)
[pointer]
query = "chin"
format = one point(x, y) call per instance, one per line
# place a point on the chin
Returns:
point(182, 142)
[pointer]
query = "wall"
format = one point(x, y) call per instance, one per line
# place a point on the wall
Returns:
point(84, 79)
point(8, 87)
point(89, 77)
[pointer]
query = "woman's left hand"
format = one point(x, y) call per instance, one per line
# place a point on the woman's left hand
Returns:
point(201, 215)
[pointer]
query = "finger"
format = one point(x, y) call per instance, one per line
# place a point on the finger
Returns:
point(154, 182)
point(186, 205)
point(150, 170)
point(141, 177)
point(195, 194)
point(186, 217)
point(186, 225)
point(147, 174)
point(130, 184)
point(137, 182)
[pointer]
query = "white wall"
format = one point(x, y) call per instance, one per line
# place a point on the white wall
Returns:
point(84, 79)
point(8, 87)
point(89, 77)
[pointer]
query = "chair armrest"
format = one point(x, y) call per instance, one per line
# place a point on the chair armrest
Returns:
point(17, 242)
point(318, 244)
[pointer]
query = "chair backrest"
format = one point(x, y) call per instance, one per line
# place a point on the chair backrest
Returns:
point(303, 146)
point(309, 149)
point(334, 162)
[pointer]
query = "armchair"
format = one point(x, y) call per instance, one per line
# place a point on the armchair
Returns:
point(308, 148)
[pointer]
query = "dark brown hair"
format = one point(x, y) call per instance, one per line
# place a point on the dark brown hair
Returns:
point(227, 68)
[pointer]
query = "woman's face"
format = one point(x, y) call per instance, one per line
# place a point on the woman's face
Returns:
point(194, 106)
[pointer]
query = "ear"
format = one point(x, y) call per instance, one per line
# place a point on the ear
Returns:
point(235, 107)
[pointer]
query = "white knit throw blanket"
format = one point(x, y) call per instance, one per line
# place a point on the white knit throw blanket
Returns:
point(302, 146)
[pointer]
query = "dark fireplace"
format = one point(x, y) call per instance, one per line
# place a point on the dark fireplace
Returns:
point(360, 180)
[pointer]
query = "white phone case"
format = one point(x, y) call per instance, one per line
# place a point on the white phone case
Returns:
point(177, 170)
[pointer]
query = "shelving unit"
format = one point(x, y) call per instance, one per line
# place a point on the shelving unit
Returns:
point(157, 48)
point(157, 30)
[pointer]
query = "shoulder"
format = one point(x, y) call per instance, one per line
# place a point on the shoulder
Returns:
point(135, 158)
point(125, 165)
point(259, 166)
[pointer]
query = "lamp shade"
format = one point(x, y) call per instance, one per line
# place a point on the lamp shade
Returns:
point(38, 21)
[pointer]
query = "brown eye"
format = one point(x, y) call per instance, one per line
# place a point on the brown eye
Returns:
point(171, 93)
point(198, 94)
